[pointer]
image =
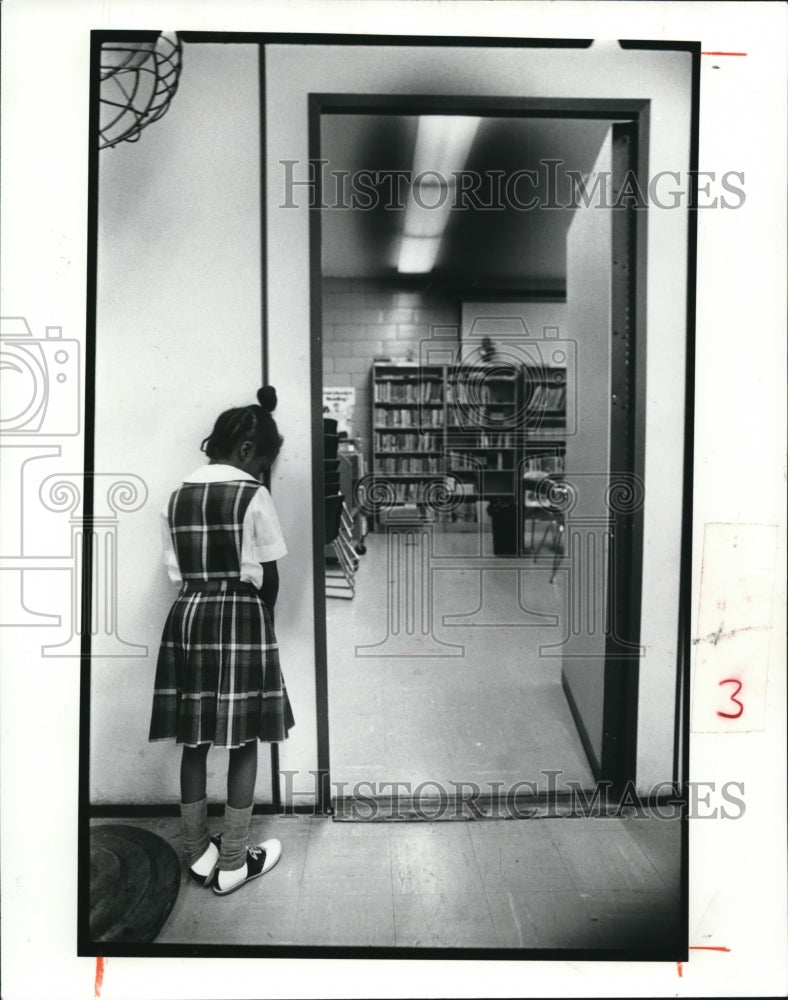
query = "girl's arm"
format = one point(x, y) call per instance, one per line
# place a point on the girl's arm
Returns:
point(170, 557)
point(270, 588)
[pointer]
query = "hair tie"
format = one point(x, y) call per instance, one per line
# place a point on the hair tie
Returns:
point(266, 397)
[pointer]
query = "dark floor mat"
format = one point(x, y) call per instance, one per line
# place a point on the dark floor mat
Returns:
point(134, 882)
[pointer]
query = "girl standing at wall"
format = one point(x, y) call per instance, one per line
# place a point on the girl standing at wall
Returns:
point(218, 681)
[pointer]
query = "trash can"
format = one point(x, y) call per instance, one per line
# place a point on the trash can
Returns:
point(505, 528)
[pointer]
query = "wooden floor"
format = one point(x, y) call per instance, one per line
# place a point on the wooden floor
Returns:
point(581, 885)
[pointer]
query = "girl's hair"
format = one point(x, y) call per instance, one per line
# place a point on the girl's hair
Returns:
point(246, 423)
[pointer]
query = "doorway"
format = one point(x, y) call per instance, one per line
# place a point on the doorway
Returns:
point(451, 660)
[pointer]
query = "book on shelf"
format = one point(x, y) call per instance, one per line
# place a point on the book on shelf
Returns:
point(396, 465)
point(550, 464)
point(409, 417)
point(496, 439)
point(547, 397)
point(462, 461)
point(389, 390)
point(481, 394)
point(478, 461)
point(407, 442)
point(458, 416)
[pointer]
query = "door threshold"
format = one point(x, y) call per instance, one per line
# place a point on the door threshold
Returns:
point(594, 802)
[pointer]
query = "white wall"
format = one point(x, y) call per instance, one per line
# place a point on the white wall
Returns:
point(536, 316)
point(362, 319)
point(178, 341)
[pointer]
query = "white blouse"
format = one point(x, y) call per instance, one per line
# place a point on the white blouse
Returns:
point(262, 539)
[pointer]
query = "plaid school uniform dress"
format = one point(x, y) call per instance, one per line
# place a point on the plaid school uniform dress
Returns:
point(218, 678)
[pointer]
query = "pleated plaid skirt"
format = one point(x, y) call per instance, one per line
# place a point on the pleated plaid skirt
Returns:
point(218, 678)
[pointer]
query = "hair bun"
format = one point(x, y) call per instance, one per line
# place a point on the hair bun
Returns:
point(266, 397)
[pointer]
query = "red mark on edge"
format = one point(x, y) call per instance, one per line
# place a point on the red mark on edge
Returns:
point(99, 975)
point(699, 947)
point(723, 53)
point(734, 699)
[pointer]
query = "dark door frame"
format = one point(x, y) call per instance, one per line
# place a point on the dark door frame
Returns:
point(627, 426)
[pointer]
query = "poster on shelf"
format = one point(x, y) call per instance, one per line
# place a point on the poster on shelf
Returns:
point(338, 404)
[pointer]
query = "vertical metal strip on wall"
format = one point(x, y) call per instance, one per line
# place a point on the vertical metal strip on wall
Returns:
point(624, 587)
point(276, 794)
point(323, 804)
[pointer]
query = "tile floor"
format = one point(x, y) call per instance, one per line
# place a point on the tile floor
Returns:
point(495, 712)
point(569, 884)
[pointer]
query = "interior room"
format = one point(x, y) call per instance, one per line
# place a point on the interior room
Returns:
point(458, 630)
point(483, 705)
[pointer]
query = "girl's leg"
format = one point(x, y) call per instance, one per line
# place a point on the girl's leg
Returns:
point(193, 770)
point(241, 777)
point(194, 805)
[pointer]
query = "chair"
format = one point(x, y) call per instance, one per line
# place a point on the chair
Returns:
point(351, 470)
point(340, 559)
point(544, 500)
point(339, 549)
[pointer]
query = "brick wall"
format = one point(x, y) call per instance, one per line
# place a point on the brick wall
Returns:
point(362, 320)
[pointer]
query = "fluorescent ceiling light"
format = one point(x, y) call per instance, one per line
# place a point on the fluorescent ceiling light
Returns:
point(443, 143)
point(417, 254)
point(442, 146)
point(430, 215)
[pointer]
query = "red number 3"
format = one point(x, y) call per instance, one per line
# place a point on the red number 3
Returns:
point(733, 715)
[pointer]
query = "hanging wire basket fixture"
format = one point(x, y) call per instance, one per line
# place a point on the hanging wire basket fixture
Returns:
point(138, 81)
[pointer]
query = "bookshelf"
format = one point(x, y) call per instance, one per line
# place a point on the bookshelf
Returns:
point(483, 431)
point(408, 412)
point(480, 429)
point(545, 419)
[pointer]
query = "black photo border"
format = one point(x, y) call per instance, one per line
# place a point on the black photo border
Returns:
point(84, 945)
